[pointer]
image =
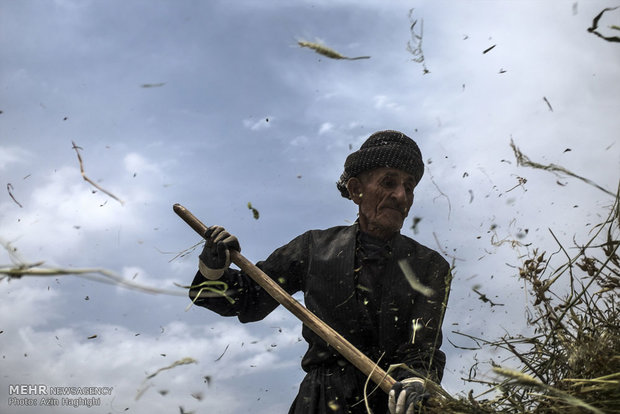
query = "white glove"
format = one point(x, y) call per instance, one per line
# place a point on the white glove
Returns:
point(407, 395)
point(215, 257)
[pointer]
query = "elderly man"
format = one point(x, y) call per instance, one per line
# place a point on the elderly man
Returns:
point(353, 279)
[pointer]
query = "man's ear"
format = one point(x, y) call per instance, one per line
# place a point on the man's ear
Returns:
point(354, 186)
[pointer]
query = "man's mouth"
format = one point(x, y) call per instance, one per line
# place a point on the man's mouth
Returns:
point(400, 211)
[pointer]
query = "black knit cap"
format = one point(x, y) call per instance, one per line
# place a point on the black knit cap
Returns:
point(391, 149)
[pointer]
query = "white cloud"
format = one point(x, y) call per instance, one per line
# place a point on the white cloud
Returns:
point(18, 298)
point(118, 357)
point(13, 155)
point(137, 164)
point(62, 213)
point(325, 128)
point(384, 102)
point(258, 124)
point(138, 278)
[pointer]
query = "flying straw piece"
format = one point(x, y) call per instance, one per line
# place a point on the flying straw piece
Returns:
point(21, 268)
point(183, 361)
point(327, 52)
point(153, 85)
point(9, 187)
point(525, 161)
point(488, 49)
point(593, 29)
point(414, 46)
point(413, 279)
point(255, 212)
point(94, 184)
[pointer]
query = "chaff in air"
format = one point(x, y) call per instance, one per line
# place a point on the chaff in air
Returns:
point(326, 51)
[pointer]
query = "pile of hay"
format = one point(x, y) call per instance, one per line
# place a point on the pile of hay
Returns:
point(571, 363)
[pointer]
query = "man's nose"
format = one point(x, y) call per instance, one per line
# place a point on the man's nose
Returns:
point(400, 193)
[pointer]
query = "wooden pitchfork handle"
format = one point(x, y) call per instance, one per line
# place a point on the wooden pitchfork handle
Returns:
point(329, 335)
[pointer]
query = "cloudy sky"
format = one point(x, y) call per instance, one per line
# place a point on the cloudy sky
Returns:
point(214, 105)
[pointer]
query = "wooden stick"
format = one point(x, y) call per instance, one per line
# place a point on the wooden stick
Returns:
point(329, 335)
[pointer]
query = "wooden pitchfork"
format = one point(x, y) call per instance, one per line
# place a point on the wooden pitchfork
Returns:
point(329, 335)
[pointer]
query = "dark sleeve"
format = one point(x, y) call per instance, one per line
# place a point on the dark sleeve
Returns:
point(243, 297)
point(421, 353)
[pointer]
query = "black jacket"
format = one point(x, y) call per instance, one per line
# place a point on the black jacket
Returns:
point(321, 263)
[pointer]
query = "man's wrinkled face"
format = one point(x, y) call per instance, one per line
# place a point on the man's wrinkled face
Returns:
point(384, 197)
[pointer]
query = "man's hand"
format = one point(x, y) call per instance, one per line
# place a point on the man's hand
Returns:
point(215, 256)
point(407, 395)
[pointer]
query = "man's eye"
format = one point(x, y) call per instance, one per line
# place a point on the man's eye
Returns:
point(389, 183)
